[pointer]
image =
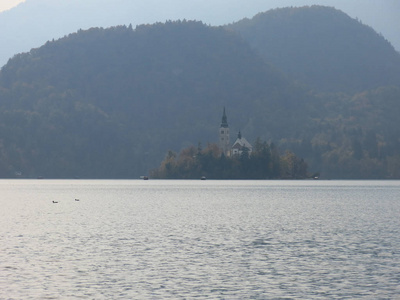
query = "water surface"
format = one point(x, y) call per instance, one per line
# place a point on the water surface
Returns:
point(199, 239)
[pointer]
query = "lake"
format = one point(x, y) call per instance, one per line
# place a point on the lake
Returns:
point(161, 239)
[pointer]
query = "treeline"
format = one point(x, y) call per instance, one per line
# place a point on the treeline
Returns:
point(264, 162)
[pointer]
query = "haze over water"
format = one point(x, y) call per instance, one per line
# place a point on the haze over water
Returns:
point(199, 239)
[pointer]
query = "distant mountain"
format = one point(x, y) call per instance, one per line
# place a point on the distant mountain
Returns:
point(109, 103)
point(34, 22)
point(323, 48)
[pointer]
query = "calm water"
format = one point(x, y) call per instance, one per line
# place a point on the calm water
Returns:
point(199, 239)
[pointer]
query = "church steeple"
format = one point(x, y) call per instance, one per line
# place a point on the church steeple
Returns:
point(224, 135)
point(224, 122)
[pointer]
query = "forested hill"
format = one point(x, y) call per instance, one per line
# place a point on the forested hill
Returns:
point(108, 103)
point(323, 48)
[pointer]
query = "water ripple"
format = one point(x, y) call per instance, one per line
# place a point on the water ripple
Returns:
point(184, 240)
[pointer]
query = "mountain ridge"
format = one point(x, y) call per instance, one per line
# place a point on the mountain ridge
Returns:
point(322, 47)
point(108, 103)
point(137, 85)
point(34, 22)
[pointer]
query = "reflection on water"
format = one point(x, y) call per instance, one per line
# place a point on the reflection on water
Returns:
point(199, 239)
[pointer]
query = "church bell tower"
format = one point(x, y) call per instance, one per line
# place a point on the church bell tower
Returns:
point(224, 135)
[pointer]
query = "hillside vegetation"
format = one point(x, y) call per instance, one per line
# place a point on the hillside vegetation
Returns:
point(109, 103)
point(323, 48)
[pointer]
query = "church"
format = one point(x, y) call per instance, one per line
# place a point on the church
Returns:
point(238, 147)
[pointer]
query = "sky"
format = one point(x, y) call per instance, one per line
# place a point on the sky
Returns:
point(7, 4)
point(381, 15)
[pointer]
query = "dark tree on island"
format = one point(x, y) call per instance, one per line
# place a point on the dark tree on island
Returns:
point(264, 162)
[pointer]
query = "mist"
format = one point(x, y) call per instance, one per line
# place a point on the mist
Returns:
point(33, 22)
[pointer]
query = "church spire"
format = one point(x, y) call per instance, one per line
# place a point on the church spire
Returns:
point(224, 123)
point(224, 143)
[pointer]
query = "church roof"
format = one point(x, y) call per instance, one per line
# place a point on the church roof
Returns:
point(241, 142)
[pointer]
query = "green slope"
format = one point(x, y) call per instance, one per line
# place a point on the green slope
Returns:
point(109, 103)
point(322, 47)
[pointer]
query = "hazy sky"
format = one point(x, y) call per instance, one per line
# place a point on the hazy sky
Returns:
point(382, 15)
point(7, 4)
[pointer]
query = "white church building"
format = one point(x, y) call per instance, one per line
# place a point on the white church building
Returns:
point(238, 147)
